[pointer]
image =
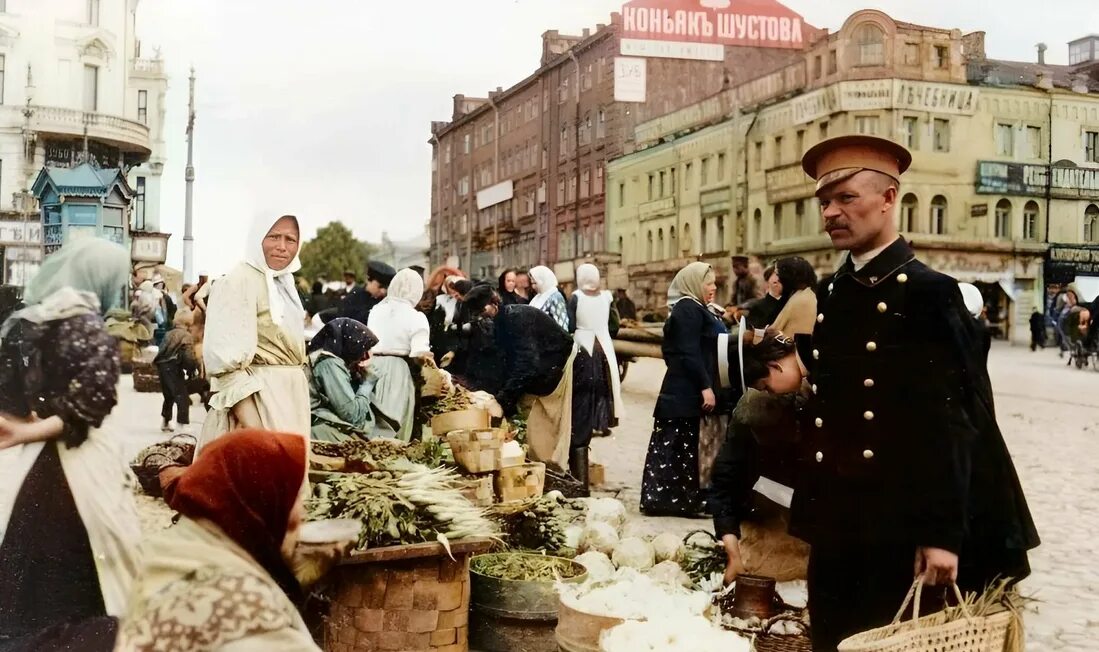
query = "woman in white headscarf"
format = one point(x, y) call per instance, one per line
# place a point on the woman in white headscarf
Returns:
point(404, 337)
point(254, 345)
point(597, 394)
point(549, 299)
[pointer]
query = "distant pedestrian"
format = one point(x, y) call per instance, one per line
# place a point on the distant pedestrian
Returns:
point(746, 287)
point(175, 365)
point(1037, 330)
point(625, 305)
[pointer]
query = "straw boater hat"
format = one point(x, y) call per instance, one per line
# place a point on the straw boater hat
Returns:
point(838, 159)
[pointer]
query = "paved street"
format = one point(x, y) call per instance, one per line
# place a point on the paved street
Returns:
point(1049, 415)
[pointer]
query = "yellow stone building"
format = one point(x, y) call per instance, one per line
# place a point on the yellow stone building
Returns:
point(1005, 163)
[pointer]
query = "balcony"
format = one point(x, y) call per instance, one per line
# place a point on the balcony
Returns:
point(127, 135)
point(656, 208)
point(148, 67)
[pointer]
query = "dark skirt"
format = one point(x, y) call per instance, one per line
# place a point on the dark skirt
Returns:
point(670, 485)
point(592, 403)
point(47, 570)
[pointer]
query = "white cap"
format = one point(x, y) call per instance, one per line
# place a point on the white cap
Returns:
point(974, 301)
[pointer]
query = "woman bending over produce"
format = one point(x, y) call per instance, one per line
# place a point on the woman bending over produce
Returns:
point(339, 394)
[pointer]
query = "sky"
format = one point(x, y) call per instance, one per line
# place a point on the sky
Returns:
point(323, 108)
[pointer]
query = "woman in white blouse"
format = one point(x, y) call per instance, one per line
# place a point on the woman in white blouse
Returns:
point(404, 337)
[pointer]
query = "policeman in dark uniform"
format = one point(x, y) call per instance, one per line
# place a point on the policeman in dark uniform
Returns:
point(361, 300)
point(904, 471)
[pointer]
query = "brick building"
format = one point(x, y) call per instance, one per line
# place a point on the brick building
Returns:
point(518, 176)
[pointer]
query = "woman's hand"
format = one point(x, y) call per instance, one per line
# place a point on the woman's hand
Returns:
point(16, 432)
point(734, 565)
point(709, 401)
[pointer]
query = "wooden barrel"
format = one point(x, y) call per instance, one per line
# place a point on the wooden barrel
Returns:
point(513, 615)
point(578, 631)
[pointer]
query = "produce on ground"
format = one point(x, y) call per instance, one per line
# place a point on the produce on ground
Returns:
point(669, 572)
point(630, 594)
point(607, 510)
point(525, 567)
point(600, 567)
point(679, 634)
point(633, 552)
point(599, 536)
point(668, 546)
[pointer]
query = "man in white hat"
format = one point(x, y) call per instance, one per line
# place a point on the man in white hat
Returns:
point(904, 472)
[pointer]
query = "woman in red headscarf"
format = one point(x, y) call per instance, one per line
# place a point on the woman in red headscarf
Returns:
point(221, 578)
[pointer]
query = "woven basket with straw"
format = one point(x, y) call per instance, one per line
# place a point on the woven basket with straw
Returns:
point(766, 641)
point(955, 629)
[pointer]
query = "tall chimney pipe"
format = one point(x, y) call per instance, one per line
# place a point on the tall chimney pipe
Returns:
point(1042, 53)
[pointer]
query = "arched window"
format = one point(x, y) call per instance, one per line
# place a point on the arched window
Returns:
point(704, 242)
point(1030, 221)
point(649, 249)
point(1091, 223)
point(673, 244)
point(777, 227)
point(620, 245)
point(686, 243)
point(721, 233)
point(938, 215)
point(1003, 219)
point(757, 227)
point(871, 43)
point(661, 253)
point(910, 214)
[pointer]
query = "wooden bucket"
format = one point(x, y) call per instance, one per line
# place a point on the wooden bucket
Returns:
point(521, 482)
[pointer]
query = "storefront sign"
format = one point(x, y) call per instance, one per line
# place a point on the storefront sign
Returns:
point(998, 178)
point(978, 210)
point(16, 232)
point(876, 94)
point(787, 183)
point(1064, 262)
point(936, 98)
point(149, 247)
point(760, 23)
point(629, 79)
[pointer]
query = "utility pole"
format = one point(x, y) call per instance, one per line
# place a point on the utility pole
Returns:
point(189, 175)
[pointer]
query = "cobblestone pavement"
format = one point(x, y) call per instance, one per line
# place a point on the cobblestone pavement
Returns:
point(1049, 415)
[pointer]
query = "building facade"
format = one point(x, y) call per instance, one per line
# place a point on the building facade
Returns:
point(518, 177)
point(1001, 162)
point(74, 89)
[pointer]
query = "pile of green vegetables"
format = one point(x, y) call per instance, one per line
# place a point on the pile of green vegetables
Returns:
point(384, 454)
point(525, 567)
point(541, 525)
point(413, 505)
point(453, 402)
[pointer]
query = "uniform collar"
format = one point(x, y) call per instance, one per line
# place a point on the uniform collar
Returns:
point(882, 266)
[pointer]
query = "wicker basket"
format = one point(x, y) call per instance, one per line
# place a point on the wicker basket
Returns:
point(765, 641)
point(179, 450)
point(478, 489)
point(477, 451)
point(953, 630)
point(521, 482)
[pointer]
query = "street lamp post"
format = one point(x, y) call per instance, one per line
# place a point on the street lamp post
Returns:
point(189, 175)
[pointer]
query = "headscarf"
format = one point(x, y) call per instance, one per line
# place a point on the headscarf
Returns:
point(587, 277)
point(546, 281)
point(972, 298)
point(689, 282)
point(407, 286)
point(347, 339)
point(89, 264)
point(247, 483)
point(282, 294)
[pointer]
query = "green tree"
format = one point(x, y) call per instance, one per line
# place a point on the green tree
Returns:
point(334, 250)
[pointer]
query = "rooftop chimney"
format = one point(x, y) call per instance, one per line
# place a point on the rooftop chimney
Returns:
point(1042, 53)
point(587, 32)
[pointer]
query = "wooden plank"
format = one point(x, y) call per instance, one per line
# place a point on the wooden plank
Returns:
point(418, 550)
point(638, 349)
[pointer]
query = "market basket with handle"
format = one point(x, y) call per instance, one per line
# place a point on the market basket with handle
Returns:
point(179, 450)
point(768, 641)
point(954, 629)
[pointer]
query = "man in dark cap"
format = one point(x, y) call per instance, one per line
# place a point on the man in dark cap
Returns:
point(745, 286)
point(904, 472)
point(361, 300)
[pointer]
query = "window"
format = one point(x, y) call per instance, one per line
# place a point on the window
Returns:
point(1005, 139)
point(1003, 219)
point(1091, 223)
point(649, 248)
point(572, 187)
point(866, 124)
point(545, 157)
point(799, 218)
point(759, 156)
point(721, 166)
point(673, 244)
point(601, 126)
point(777, 226)
point(91, 88)
point(1091, 144)
point(662, 188)
point(757, 226)
point(93, 13)
point(721, 233)
point(705, 172)
point(871, 43)
point(585, 183)
point(143, 107)
point(563, 91)
point(910, 128)
point(598, 189)
point(560, 189)
point(823, 130)
point(941, 58)
point(660, 252)
point(912, 54)
point(776, 153)
point(652, 186)
point(688, 170)
point(621, 194)
point(799, 141)
point(938, 215)
point(139, 204)
point(564, 140)
point(910, 214)
point(1030, 221)
point(817, 66)
point(2, 67)
point(941, 135)
point(467, 143)
point(1034, 141)
point(832, 66)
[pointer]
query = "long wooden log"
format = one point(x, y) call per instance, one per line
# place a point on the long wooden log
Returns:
point(637, 349)
point(640, 335)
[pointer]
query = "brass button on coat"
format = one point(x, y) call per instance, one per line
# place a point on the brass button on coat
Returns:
point(868, 415)
point(902, 278)
point(820, 318)
point(868, 454)
point(819, 422)
point(882, 307)
point(871, 346)
point(820, 456)
point(869, 382)
point(814, 389)
point(816, 354)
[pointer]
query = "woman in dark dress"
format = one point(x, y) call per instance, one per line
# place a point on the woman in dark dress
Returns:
point(69, 530)
point(670, 485)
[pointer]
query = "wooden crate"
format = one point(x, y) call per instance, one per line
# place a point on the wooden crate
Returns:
point(477, 451)
point(521, 482)
point(471, 419)
point(597, 475)
point(412, 597)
